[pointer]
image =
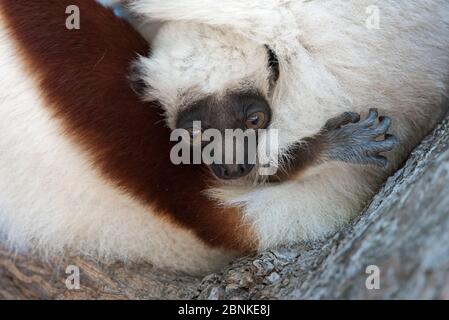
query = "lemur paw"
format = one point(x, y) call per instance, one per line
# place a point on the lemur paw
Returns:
point(359, 142)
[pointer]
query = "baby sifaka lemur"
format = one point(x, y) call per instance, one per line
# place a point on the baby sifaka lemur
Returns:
point(292, 66)
point(85, 165)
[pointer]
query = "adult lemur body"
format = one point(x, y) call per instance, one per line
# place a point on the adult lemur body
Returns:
point(85, 166)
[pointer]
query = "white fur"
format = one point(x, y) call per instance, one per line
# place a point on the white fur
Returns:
point(52, 199)
point(330, 62)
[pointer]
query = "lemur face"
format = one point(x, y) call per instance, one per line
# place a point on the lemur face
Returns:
point(198, 73)
point(248, 112)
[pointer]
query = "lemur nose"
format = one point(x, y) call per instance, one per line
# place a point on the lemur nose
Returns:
point(231, 171)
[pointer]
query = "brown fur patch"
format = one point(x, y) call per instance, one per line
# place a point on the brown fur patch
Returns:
point(83, 75)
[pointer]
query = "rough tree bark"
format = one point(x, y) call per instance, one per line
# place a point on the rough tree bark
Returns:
point(404, 232)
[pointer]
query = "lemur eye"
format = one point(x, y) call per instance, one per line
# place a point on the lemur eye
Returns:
point(255, 120)
point(196, 136)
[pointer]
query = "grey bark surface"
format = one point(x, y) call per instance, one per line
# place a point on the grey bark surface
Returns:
point(404, 232)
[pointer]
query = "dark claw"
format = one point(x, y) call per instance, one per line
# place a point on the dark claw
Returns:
point(349, 117)
point(342, 120)
point(383, 126)
point(385, 145)
point(390, 142)
point(370, 118)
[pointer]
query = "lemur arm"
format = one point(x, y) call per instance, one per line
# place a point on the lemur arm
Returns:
point(345, 139)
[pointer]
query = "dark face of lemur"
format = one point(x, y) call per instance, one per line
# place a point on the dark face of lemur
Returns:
point(246, 113)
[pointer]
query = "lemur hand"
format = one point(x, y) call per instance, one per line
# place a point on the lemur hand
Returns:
point(360, 142)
